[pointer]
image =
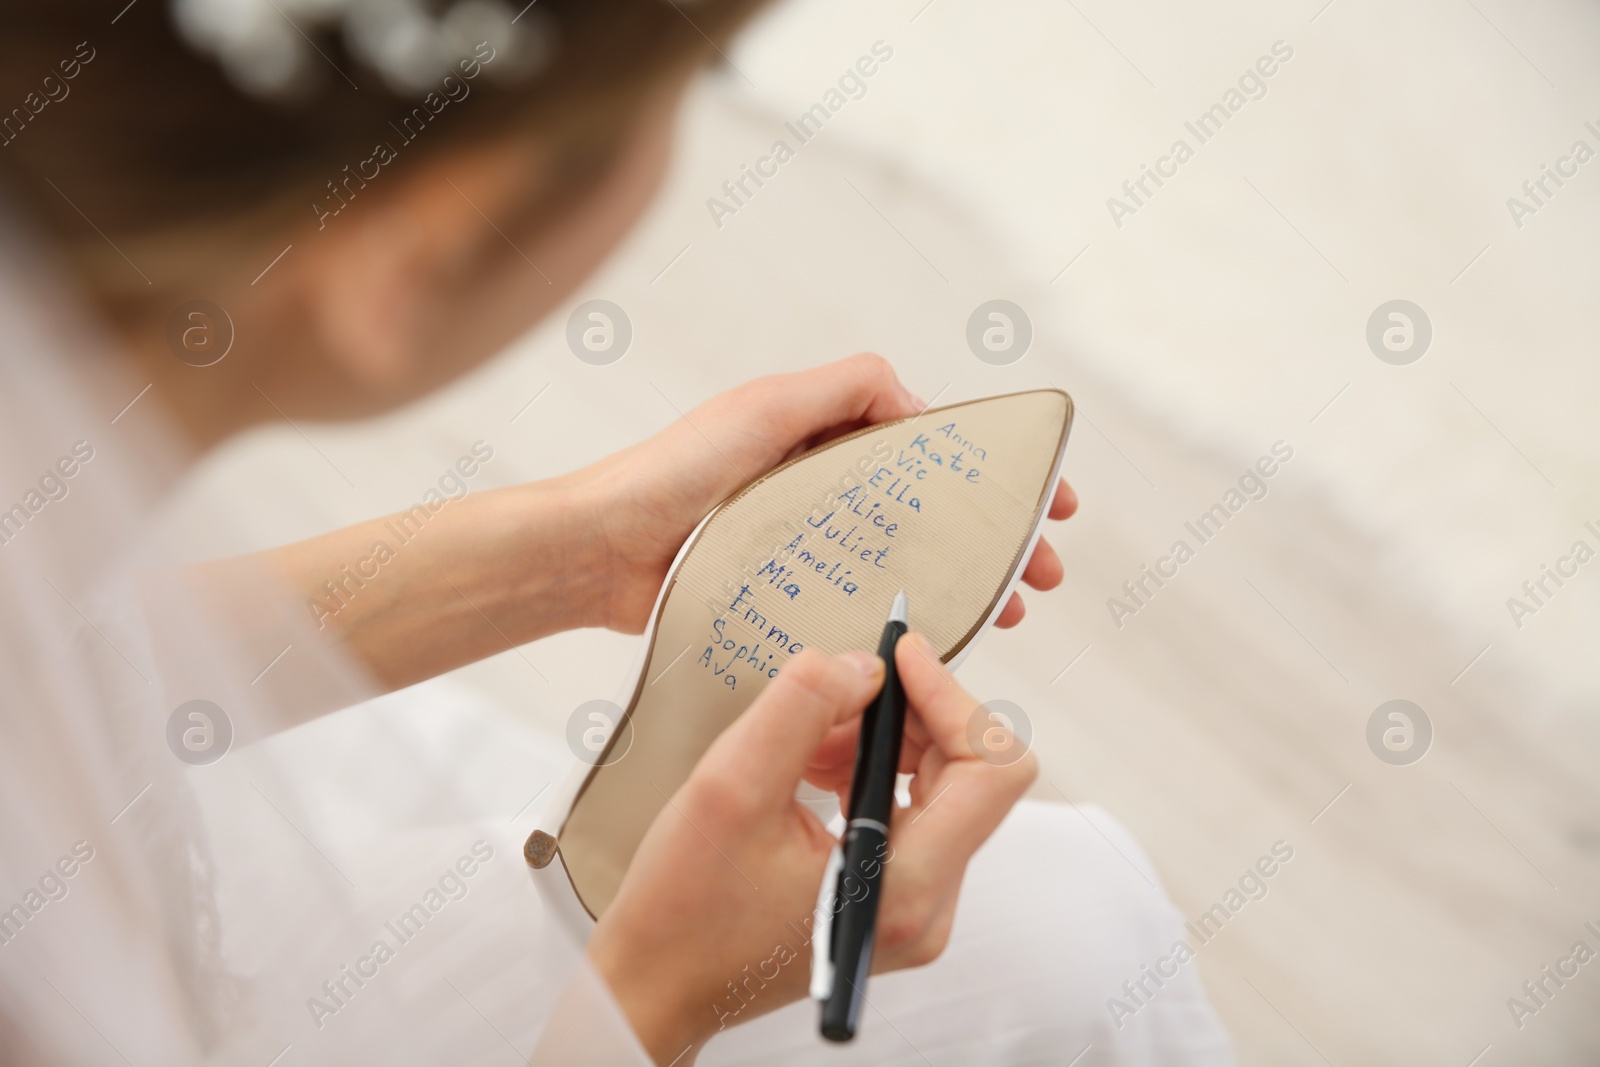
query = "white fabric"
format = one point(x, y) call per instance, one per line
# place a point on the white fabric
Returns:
point(157, 912)
point(1059, 908)
point(587, 1028)
point(129, 935)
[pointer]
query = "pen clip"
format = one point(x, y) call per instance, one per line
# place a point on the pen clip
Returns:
point(822, 927)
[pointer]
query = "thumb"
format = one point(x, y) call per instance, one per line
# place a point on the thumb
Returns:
point(763, 755)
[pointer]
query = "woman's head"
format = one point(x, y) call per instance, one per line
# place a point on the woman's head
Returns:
point(440, 174)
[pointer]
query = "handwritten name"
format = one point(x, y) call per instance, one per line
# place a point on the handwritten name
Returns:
point(740, 655)
point(957, 462)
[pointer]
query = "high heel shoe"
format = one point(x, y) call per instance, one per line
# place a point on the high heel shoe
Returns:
point(946, 505)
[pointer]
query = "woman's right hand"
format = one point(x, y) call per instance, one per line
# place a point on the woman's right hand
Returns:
point(712, 924)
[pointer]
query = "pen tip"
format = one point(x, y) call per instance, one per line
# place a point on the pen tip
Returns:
point(899, 612)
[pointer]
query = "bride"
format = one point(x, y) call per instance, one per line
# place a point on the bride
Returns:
point(187, 174)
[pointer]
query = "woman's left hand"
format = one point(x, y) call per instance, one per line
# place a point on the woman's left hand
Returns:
point(650, 497)
point(503, 567)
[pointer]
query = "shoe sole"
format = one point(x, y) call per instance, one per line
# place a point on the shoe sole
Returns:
point(811, 555)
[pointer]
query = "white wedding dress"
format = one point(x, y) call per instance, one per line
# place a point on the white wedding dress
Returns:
point(232, 912)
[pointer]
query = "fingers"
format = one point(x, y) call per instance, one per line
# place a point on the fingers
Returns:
point(940, 702)
point(1065, 504)
point(1044, 570)
point(956, 806)
point(925, 775)
point(915, 742)
point(957, 798)
point(759, 760)
point(833, 764)
point(1012, 613)
point(862, 389)
point(838, 750)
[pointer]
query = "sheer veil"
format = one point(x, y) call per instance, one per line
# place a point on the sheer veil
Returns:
point(121, 823)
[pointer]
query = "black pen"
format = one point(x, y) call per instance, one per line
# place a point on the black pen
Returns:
point(847, 905)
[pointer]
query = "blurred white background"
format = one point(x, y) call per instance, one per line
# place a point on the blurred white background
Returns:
point(1229, 312)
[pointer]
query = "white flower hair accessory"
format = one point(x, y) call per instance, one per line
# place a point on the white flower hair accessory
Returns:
point(268, 48)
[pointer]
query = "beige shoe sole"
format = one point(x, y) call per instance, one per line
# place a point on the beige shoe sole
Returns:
point(946, 505)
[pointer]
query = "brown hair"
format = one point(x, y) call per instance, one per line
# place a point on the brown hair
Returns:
point(115, 123)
